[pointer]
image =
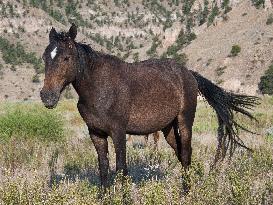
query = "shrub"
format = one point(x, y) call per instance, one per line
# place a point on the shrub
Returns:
point(269, 20)
point(214, 13)
point(30, 122)
point(182, 40)
point(258, 3)
point(152, 51)
point(1, 72)
point(225, 6)
point(58, 16)
point(203, 15)
point(136, 57)
point(235, 50)
point(266, 82)
point(36, 79)
point(181, 58)
point(220, 71)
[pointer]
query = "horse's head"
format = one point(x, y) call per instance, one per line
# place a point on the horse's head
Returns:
point(60, 59)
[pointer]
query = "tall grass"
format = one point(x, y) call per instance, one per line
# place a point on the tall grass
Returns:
point(66, 172)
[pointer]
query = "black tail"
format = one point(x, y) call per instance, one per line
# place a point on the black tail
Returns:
point(225, 104)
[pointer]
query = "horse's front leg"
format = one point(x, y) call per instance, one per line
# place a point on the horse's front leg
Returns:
point(101, 145)
point(119, 139)
point(99, 141)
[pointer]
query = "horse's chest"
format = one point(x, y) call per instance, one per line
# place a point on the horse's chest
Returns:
point(93, 118)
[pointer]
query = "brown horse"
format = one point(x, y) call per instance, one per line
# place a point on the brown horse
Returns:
point(116, 98)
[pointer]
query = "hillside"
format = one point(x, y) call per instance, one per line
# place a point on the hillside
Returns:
point(135, 30)
point(246, 26)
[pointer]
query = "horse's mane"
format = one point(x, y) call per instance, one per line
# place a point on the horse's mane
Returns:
point(96, 54)
point(88, 50)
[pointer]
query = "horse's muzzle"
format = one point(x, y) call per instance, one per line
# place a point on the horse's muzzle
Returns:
point(50, 98)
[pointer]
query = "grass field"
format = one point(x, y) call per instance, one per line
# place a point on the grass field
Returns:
point(46, 157)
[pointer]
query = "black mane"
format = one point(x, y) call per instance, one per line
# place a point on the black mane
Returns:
point(96, 54)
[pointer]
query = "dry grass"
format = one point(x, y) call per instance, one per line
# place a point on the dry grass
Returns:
point(37, 172)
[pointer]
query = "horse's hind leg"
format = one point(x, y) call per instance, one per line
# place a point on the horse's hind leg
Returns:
point(169, 135)
point(181, 141)
point(185, 122)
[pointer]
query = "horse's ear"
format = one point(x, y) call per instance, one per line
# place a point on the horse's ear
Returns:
point(52, 34)
point(73, 31)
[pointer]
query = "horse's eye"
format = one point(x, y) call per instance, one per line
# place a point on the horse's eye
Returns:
point(66, 58)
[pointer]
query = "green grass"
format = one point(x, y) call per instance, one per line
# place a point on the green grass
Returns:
point(66, 171)
point(30, 121)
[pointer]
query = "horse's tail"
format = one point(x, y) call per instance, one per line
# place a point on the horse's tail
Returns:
point(225, 104)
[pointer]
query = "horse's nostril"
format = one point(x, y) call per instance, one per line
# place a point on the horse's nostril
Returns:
point(42, 94)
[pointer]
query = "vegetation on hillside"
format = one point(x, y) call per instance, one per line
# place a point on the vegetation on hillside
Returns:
point(266, 81)
point(147, 17)
point(269, 20)
point(258, 3)
point(15, 54)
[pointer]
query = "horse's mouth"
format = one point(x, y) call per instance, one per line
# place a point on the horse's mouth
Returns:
point(50, 106)
point(50, 99)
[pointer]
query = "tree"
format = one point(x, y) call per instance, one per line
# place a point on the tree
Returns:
point(214, 13)
point(266, 81)
point(205, 13)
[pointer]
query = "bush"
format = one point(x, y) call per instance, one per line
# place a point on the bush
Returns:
point(136, 57)
point(36, 79)
point(30, 122)
point(213, 15)
point(220, 71)
point(225, 6)
point(152, 51)
point(182, 40)
point(258, 3)
point(181, 58)
point(1, 72)
point(235, 50)
point(266, 82)
point(58, 16)
point(269, 20)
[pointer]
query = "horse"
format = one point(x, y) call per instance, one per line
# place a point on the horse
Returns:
point(118, 98)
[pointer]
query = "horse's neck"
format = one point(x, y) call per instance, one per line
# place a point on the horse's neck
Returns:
point(82, 82)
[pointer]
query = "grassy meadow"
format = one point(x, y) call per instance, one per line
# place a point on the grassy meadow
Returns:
point(46, 157)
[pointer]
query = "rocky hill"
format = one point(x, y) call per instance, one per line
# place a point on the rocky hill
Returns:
point(200, 33)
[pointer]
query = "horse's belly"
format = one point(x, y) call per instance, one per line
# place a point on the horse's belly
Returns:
point(150, 115)
point(156, 99)
point(146, 124)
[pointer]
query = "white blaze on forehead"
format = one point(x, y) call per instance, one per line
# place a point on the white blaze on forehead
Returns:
point(53, 53)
